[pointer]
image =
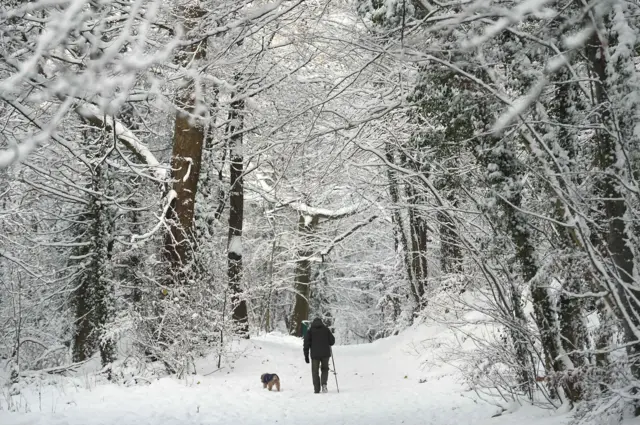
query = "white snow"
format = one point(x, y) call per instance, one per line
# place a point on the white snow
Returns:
point(171, 195)
point(17, 152)
point(520, 105)
point(516, 14)
point(235, 245)
point(379, 384)
point(579, 39)
point(324, 212)
point(259, 11)
point(92, 113)
point(308, 219)
point(188, 173)
point(313, 78)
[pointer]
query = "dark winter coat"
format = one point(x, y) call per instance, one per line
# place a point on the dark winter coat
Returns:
point(319, 340)
point(267, 377)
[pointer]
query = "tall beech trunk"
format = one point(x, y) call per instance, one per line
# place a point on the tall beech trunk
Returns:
point(236, 216)
point(418, 237)
point(306, 227)
point(188, 142)
point(399, 227)
point(309, 220)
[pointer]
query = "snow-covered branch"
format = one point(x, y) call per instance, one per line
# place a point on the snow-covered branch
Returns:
point(324, 213)
point(268, 192)
point(171, 196)
point(19, 152)
point(91, 113)
point(326, 251)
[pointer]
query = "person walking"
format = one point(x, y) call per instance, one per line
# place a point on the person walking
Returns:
point(318, 340)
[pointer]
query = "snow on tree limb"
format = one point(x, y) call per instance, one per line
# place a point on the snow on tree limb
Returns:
point(17, 153)
point(267, 192)
point(25, 267)
point(324, 213)
point(269, 11)
point(91, 113)
point(161, 220)
point(516, 15)
point(345, 235)
point(21, 151)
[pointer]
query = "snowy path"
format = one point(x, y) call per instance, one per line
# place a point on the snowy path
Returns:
point(373, 390)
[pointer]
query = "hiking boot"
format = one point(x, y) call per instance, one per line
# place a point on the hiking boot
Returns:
point(324, 389)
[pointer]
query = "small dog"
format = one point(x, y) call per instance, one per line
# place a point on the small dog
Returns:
point(269, 380)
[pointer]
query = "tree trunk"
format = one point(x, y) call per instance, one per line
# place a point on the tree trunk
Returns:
point(186, 158)
point(94, 299)
point(519, 339)
point(571, 312)
point(82, 345)
point(507, 186)
point(134, 261)
point(400, 235)
point(236, 216)
point(621, 283)
point(268, 312)
point(571, 315)
point(450, 245)
point(542, 304)
point(302, 279)
point(418, 236)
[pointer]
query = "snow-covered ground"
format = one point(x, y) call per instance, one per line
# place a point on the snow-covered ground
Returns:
point(379, 384)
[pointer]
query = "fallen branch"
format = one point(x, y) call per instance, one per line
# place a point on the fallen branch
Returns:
point(57, 370)
point(212, 372)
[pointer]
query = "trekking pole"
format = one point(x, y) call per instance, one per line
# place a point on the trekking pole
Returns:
point(335, 374)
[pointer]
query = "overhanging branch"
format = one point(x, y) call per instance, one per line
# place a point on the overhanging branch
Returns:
point(345, 235)
point(91, 114)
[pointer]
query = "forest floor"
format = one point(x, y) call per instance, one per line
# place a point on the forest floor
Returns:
point(391, 381)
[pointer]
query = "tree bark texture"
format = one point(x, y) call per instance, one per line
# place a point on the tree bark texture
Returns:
point(624, 289)
point(450, 244)
point(506, 184)
point(186, 159)
point(94, 298)
point(302, 279)
point(236, 217)
point(418, 237)
point(399, 227)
